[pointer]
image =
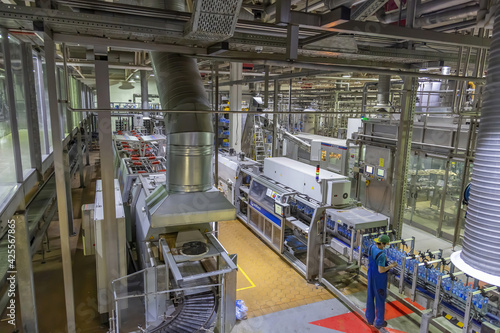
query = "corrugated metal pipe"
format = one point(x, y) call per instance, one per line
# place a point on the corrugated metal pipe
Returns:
point(190, 136)
point(384, 90)
point(425, 8)
point(453, 14)
point(332, 4)
point(481, 241)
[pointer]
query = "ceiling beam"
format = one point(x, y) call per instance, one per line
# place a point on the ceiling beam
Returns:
point(127, 45)
point(376, 29)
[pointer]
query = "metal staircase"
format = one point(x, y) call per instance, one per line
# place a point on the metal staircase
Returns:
point(259, 145)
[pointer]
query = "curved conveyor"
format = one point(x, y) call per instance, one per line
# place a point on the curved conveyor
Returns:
point(195, 314)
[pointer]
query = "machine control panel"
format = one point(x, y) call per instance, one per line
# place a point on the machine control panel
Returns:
point(372, 172)
point(281, 209)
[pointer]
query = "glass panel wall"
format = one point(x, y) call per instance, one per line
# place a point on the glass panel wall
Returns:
point(42, 103)
point(47, 105)
point(453, 198)
point(20, 100)
point(7, 171)
point(434, 194)
point(425, 191)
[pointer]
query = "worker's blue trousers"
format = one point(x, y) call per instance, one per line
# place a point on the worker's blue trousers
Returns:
point(377, 293)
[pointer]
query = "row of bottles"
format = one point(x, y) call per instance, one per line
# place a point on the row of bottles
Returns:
point(431, 275)
point(344, 231)
point(394, 254)
point(305, 209)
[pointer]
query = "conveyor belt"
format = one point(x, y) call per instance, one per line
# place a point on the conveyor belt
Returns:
point(195, 314)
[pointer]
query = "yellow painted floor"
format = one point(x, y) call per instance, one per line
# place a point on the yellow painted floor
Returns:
point(266, 282)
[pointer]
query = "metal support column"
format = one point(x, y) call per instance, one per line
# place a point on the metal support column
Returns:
point(80, 155)
point(275, 118)
point(63, 196)
point(87, 139)
point(235, 95)
point(266, 87)
point(144, 90)
point(403, 152)
point(290, 105)
point(292, 42)
point(68, 100)
point(11, 100)
point(145, 98)
point(24, 269)
point(216, 141)
point(216, 129)
point(110, 227)
point(87, 125)
point(31, 108)
point(439, 230)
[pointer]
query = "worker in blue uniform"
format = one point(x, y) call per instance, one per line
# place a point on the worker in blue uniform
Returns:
point(377, 281)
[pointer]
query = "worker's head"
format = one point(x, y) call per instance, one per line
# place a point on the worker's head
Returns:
point(382, 241)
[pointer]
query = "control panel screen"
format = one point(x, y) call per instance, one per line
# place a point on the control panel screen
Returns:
point(278, 209)
point(381, 172)
point(369, 169)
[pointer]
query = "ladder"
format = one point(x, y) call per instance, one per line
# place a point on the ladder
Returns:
point(259, 147)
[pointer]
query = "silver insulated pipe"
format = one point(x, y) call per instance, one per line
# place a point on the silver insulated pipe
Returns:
point(384, 90)
point(481, 242)
point(190, 136)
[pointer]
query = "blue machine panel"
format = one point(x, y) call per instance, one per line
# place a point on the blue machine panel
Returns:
point(270, 216)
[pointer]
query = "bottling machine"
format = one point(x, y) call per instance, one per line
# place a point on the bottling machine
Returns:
point(326, 237)
point(182, 279)
point(284, 202)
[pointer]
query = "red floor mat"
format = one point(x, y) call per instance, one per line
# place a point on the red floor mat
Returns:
point(351, 323)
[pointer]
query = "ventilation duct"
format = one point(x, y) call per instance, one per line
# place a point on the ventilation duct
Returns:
point(190, 136)
point(126, 85)
point(213, 20)
point(332, 4)
point(481, 242)
point(454, 14)
point(384, 90)
point(188, 196)
point(425, 8)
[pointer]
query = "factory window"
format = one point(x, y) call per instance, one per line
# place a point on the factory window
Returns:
point(47, 106)
point(434, 194)
point(42, 102)
point(61, 92)
point(7, 171)
point(20, 100)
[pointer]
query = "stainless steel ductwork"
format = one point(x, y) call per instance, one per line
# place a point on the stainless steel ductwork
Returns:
point(384, 91)
point(454, 14)
point(188, 196)
point(425, 8)
point(481, 242)
point(189, 135)
point(332, 4)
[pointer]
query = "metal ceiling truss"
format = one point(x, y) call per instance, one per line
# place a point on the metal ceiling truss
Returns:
point(174, 25)
point(367, 9)
point(163, 30)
